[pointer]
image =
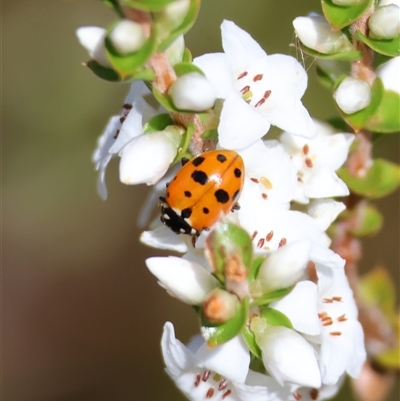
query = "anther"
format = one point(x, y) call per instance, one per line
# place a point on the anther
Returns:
point(242, 75)
point(337, 299)
point(223, 384)
point(260, 102)
point(335, 333)
point(127, 106)
point(269, 236)
point(122, 119)
point(267, 94)
point(327, 301)
point(266, 182)
point(210, 392)
point(254, 235)
point(257, 77)
point(342, 318)
point(306, 149)
point(226, 394)
point(299, 179)
point(254, 180)
point(245, 89)
point(314, 394)
point(197, 381)
point(297, 396)
point(309, 163)
point(206, 375)
point(282, 242)
point(264, 196)
point(116, 134)
point(260, 243)
point(327, 321)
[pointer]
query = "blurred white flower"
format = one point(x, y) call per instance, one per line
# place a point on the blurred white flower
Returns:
point(127, 36)
point(352, 95)
point(92, 39)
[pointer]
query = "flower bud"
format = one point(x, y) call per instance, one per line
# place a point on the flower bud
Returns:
point(389, 74)
point(146, 158)
point(127, 36)
point(92, 39)
point(220, 306)
point(172, 15)
point(316, 33)
point(383, 3)
point(175, 50)
point(193, 91)
point(352, 95)
point(286, 355)
point(346, 2)
point(384, 23)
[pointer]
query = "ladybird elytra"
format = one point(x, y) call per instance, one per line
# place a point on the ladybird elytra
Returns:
point(204, 189)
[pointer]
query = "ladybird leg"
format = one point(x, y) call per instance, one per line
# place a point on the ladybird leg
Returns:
point(166, 184)
point(162, 199)
point(236, 206)
point(184, 160)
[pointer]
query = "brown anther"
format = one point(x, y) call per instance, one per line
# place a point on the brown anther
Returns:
point(337, 299)
point(223, 384)
point(297, 396)
point(267, 94)
point(335, 333)
point(242, 75)
point(342, 318)
point(322, 315)
point(116, 134)
point(256, 180)
point(254, 235)
point(257, 77)
point(122, 119)
point(309, 163)
point(235, 270)
point(264, 196)
point(228, 392)
point(306, 149)
point(206, 375)
point(245, 89)
point(327, 321)
point(210, 392)
point(260, 102)
point(327, 301)
point(312, 272)
point(127, 106)
point(260, 243)
point(314, 394)
point(282, 242)
point(197, 381)
point(269, 236)
point(299, 179)
point(266, 182)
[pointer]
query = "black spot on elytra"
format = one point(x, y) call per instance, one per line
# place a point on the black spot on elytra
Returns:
point(221, 195)
point(221, 158)
point(235, 195)
point(186, 213)
point(206, 210)
point(197, 161)
point(188, 194)
point(237, 172)
point(200, 176)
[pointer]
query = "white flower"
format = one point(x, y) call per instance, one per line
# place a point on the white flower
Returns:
point(352, 95)
point(325, 211)
point(92, 39)
point(389, 73)
point(317, 160)
point(192, 91)
point(259, 90)
point(384, 23)
point(127, 36)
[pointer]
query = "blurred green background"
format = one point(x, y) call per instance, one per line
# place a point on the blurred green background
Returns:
point(82, 316)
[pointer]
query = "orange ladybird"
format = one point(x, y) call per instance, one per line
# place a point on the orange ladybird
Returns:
point(204, 189)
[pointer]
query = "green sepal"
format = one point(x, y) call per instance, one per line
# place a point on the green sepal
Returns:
point(382, 178)
point(250, 341)
point(165, 100)
point(217, 334)
point(186, 68)
point(275, 317)
point(158, 123)
point(360, 118)
point(369, 221)
point(129, 64)
point(187, 22)
point(272, 296)
point(342, 16)
point(255, 267)
point(108, 74)
point(210, 135)
point(386, 120)
point(185, 142)
point(228, 240)
point(388, 47)
point(389, 359)
point(146, 5)
point(114, 4)
point(338, 123)
point(329, 71)
point(187, 56)
point(351, 55)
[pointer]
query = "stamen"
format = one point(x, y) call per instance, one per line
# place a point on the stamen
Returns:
point(210, 392)
point(337, 299)
point(327, 301)
point(245, 89)
point(264, 196)
point(322, 315)
point(269, 236)
point(127, 106)
point(266, 182)
point(297, 396)
point(116, 134)
point(267, 94)
point(197, 381)
point(260, 243)
point(258, 77)
point(309, 163)
point(335, 333)
point(342, 318)
point(255, 180)
point(228, 392)
point(222, 385)
point(206, 375)
point(242, 75)
point(122, 119)
point(260, 102)
point(306, 149)
point(254, 235)
point(282, 242)
point(299, 179)
point(314, 394)
point(327, 321)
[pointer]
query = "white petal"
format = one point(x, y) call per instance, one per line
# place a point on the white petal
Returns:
point(300, 306)
point(389, 73)
point(325, 211)
point(92, 39)
point(240, 124)
point(335, 148)
point(352, 95)
point(187, 281)
point(231, 359)
point(163, 238)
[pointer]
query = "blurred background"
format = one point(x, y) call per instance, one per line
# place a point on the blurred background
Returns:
point(82, 316)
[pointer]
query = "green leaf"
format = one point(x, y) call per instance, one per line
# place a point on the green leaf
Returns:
point(250, 340)
point(382, 178)
point(186, 68)
point(341, 16)
point(210, 135)
point(185, 142)
point(158, 123)
point(387, 47)
point(114, 4)
point(164, 100)
point(352, 55)
point(369, 221)
point(275, 318)
point(187, 56)
point(387, 120)
point(360, 118)
point(272, 296)
point(217, 334)
point(105, 73)
point(255, 267)
point(146, 5)
point(329, 71)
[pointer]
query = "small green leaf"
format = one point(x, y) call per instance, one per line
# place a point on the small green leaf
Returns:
point(382, 178)
point(186, 68)
point(105, 73)
point(158, 123)
point(210, 135)
point(250, 340)
point(217, 334)
point(386, 120)
point(329, 71)
point(271, 296)
point(387, 47)
point(146, 5)
point(352, 55)
point(164, 100)
point(275, 318)
point(187, 56)
point(341, 16)
point(183, 147)
point(360, 118)
point(255, 267)
point(369, 221)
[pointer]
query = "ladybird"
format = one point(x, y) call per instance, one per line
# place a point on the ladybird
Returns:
point(204, 189)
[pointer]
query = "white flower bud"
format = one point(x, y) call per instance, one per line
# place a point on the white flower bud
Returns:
point(146, 158)
point(220, 306)
point(384, 23)
point(172, 15)
point(92, 39)
point(175, 50)
point(346, 2)
point(287, 356)
point(193, 91)
point(352, 95)
point(383, 3)
point(389, 74)
point(127, 36)
point(316, 33)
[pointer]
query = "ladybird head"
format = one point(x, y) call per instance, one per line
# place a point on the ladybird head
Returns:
point(175, 222)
